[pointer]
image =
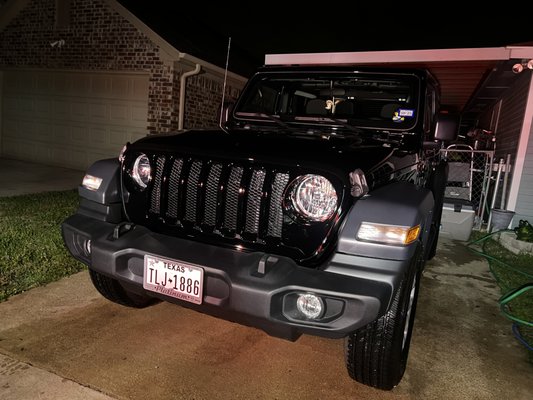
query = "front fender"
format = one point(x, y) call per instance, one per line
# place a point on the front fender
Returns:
point(399, 203)
point(104, 203)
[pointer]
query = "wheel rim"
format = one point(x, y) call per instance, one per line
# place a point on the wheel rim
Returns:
point(408, 313)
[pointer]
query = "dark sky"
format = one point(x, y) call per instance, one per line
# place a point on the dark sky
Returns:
point(259, 28)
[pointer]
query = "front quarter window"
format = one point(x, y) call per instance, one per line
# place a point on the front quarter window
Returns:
point(262, 99)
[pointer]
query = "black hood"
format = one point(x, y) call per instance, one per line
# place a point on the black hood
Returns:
point(337, 155)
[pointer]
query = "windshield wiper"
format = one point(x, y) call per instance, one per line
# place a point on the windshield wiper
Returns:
point(346, 125)
point(268, 117)
point(337, 121)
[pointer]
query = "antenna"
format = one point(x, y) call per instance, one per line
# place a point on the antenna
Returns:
point(224, 87)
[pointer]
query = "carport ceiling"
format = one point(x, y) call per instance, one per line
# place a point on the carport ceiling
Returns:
point(470, 87)
point(471, 79)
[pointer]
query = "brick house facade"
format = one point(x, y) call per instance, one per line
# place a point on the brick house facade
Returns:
point(101, 35)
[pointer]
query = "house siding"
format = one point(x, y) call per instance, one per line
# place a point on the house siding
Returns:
point(511, 119)
point(524, 203)
point(508, 129)
point(99, 38)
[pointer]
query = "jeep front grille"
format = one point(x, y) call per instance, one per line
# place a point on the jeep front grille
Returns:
point(243, 201)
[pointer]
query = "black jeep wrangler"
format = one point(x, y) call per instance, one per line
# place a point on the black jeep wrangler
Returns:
point(311, 211)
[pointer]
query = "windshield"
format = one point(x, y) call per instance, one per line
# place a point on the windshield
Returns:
point(366, 100)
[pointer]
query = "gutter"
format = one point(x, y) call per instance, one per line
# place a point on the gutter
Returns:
point(183, 78)
point(403, 56)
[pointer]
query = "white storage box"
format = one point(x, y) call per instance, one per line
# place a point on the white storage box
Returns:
point(457, 221)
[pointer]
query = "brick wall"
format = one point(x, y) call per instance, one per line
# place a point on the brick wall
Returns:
point(99, 38)
point(204, 97)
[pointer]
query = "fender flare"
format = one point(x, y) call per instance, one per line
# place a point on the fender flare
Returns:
point(400, 203)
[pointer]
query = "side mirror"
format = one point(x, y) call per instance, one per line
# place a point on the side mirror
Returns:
point(447, 127)
point(224, 113)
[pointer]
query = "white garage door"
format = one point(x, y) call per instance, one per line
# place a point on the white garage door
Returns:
point(71, 118)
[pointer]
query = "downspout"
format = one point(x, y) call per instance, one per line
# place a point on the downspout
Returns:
point(184, 76)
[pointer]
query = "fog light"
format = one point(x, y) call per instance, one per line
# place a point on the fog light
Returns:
point(310, 305)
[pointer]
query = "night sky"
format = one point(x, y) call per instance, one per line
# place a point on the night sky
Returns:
point(260, 28)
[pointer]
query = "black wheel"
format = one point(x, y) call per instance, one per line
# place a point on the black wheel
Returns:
point(112, 290)
point(376, 355)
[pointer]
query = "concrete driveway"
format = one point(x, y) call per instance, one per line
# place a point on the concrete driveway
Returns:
point(462, 347)
point(64, 341)
point(23, 177)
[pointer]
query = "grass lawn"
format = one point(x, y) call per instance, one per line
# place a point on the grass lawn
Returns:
point(32, 252)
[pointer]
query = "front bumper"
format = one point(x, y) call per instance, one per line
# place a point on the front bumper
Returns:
point(255, 289)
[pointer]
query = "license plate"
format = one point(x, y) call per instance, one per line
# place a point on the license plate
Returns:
point(173, 278)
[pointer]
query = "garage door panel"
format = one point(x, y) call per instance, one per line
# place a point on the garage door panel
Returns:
point(78, 135)
point(61, 134)
point(61, 155)
point(99, 111)
point(136, 136)
point(79, 110)
point(118, 113)
point(138, 114)
point(81, 86)
point(62, 84)
point(61, 108)
point(42, 107)
point(120, 87)
point(71, 118)
point(41, 82)
point(44, 132)
point(11, 146)
point(26, 105)
point(28, 126)
point(93, 156)
point(101, 86)
point(118, 137)
point(10, 105)
point(140, 87)
point(78, 159)
point(9, 129)
point(98, 136)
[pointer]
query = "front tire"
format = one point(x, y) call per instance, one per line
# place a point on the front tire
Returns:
point(376, 355)
point(112, 290)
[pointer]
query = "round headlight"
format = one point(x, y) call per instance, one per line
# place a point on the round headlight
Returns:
point(141, 172)
point(314, 197)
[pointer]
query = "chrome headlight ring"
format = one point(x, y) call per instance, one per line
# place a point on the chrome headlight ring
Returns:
point(141, 172)
point(313, 197)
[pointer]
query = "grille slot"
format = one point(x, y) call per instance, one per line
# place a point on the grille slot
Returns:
point(211, 195)
point(174, 188)
point(192, 191)
point(155, 206)
point(253, 205)
point(232, 199)
point(275, 212)
point(217, 198)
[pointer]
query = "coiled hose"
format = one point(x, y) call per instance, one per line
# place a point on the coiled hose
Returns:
point(498, 267)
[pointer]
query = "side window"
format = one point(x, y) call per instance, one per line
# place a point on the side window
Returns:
point(263, 100)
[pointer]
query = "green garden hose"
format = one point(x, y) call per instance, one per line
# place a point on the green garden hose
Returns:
point(504, 307)
point(511, 293)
